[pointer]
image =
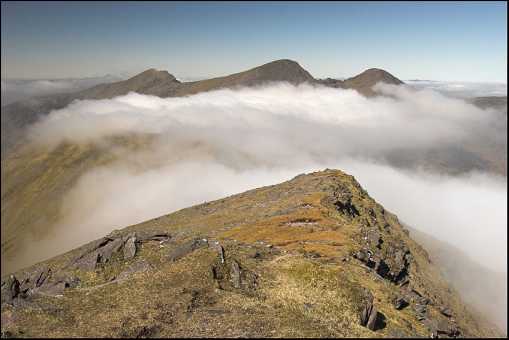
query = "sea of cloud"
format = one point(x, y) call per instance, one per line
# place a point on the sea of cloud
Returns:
point(211, 145)
point(223, 142)
point(461, 89)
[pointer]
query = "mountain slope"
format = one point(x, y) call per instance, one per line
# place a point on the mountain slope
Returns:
point(314, 256)
point(365, 81)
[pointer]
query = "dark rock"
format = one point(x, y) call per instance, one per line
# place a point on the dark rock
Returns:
point(70, 281)
point(400, 303)
point(41, 276)
point(93, 246)
point(371, 324)
point(130, 248)
point(421, 311)
point(370, 317)
point(10, 289)
point(187, 248)
point(220, 250)
point(152, 235)
point(440, 327)
point(366, 310)
point(232, 276)
point(107, 251)
point(374, 238)
point(346, 207)
point(87, 262)
point(446, 312)
point(235, 274)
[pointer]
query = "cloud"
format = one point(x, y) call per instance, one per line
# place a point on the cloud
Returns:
point(461, 89)
point(326, 122)
point(215, 144)
point(18, 89)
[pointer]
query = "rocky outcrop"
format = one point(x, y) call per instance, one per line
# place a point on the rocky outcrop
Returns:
point(272, 262)
point(10, 289)
point(104, 249)
point(187, 248)
point(370, 317)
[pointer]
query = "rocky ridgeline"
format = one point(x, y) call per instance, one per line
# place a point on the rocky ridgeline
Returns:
point(389, 258)
point(391, 295)
point(228, 273)
point(46, 282)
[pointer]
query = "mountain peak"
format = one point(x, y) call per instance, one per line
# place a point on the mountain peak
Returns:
point(379, 75)
point(153, 73)
point(365, 81)
point(283, 70)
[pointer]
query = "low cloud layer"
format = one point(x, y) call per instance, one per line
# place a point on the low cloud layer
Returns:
point(18, 89)
point(461, 89)
point(215, 144)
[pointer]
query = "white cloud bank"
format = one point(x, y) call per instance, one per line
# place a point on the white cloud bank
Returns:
point(461, 89)
point(218, 143)
point(215, 144)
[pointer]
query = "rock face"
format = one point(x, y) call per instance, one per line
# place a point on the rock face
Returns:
point(10, 289)
point(130, 248)
point(270, 262)
point(187, 248)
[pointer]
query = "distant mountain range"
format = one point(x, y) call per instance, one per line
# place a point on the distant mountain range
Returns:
point(16, 116)
point(314, 256)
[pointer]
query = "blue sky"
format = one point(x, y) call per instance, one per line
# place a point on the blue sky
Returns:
point(439, 41)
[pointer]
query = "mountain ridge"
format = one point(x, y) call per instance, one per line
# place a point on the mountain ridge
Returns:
point(15, 117)
point(312, 256)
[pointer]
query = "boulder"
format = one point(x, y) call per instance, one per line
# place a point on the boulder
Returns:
point(235, 274)
point(370, 317)
point(220, 250)
point(187, 248)
point(152, 235)
point(87, 262)
point(399, 303)
point(107, 250)
point(10, 289)
point(130, 248)
point(446, 312)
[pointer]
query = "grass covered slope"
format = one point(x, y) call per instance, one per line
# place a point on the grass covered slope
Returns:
point(35, 181)
point(308, 257)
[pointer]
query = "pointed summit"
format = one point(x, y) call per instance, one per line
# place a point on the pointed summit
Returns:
point(151, 81)
point(365, 81)
point(278, 70)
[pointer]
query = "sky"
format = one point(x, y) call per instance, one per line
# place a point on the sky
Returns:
point(450, 41)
